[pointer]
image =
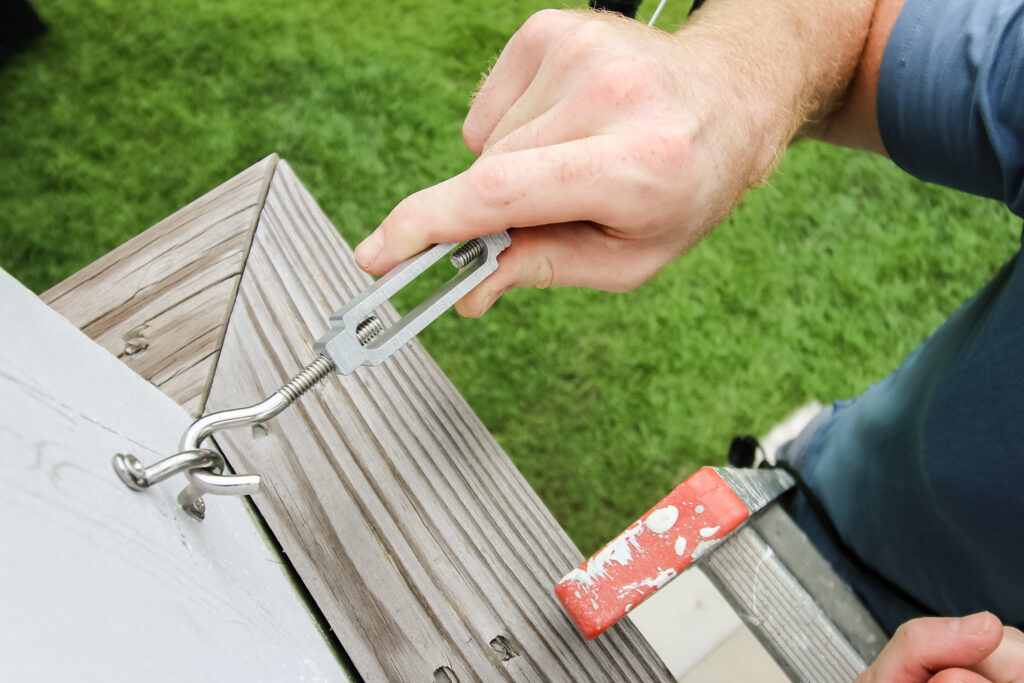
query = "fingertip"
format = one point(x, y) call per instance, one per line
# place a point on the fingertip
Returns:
point(957, 676)
point(467, 309)
point(1013, 633)
point(472, 134)
point(368, 252)
point(479, 301)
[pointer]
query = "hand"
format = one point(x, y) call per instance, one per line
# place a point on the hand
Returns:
point(613, 147)
point(589, 126)
point(973, 649)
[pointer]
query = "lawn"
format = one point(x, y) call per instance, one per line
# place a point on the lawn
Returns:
point(815, 287)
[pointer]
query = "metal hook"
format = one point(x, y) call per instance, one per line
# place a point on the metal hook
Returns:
point(356, 337)
point(204, 467)
point(205, 481)
point(139, 477)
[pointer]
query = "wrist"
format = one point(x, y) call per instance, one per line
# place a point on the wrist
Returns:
point(775, 66)
point(742, 110)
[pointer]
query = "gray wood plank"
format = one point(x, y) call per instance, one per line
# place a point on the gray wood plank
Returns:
point(805, 640)
point(160, 302)
point(101, 583)
point(426, 550)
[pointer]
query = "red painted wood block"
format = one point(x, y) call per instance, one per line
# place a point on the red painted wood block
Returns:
point(653, 550)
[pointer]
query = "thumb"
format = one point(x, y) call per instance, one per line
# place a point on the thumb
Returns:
point(924, 647)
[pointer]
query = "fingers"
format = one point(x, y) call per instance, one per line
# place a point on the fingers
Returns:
point(568, 255)
point(601, 103)
point(587, 84)
point(539, 109)
point(560, 183)
point(957, 676)
point(923, 647)
point(1006, 664)
point(513, 73)
point(1012, 633)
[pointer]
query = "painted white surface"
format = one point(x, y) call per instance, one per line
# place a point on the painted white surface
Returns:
point(739, 658)
point(685, 620)
point(98, 582)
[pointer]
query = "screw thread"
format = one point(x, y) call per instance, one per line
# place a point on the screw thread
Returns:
point(307, 378)
point(467, 253)
point(368, 329)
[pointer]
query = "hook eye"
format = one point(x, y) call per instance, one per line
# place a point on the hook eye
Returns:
point(139, 477)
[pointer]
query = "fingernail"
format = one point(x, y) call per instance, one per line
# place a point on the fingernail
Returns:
point(369, 250)
point(974, 624)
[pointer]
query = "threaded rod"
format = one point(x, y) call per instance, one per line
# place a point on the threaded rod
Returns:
point(368, 329)
point(307, 378)
point(467, 253)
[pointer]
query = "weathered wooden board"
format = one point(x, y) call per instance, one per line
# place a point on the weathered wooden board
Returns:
point(427, 551)
point(160, 301)
point(98, 582)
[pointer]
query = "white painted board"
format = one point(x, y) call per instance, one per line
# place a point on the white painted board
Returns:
point(98, 582)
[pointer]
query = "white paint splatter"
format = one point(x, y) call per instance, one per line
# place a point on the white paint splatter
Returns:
point(593, 602)
point(578, 594)
point(754, 590)
point(577, 575)
point(709, 531)
point(662, 519)
point(629, 607)
point(680, 545)
point(703, 547)
point(655, 582)
point(619, 551)
point(699, 509)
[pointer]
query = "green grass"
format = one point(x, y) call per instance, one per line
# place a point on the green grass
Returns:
point(816, 286)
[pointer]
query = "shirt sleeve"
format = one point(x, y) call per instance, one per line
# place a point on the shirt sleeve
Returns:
point(951, 95)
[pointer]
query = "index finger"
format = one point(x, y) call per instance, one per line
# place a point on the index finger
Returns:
point(538, 186)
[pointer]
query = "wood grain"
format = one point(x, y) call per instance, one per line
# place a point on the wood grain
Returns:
point(160, 302)
point(427, 551)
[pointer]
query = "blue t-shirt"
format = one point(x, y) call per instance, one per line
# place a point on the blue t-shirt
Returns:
point(923, 474)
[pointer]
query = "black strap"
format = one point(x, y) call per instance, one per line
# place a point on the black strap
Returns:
point(628, 8)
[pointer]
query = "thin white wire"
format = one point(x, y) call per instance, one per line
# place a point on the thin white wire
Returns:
point(654, 17)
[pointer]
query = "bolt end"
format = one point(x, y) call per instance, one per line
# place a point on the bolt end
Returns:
point(131, 471)
point(197, 509)
point(467, 253)
point(367, 330)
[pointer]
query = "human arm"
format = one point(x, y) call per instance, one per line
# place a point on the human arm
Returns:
point(853, 122)
point(614, 147)
point(972, 649)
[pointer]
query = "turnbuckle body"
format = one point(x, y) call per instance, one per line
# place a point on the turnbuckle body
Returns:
point(349, 349)
point(356, 337)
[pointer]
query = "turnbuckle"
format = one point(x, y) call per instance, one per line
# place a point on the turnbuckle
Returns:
point(356, 337)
